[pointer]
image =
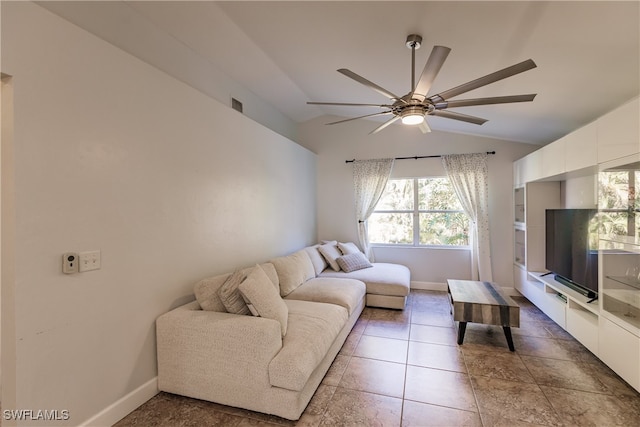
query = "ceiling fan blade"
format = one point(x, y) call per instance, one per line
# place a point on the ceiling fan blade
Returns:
point(431, 69)
point(483, 81)
point(485, 101)
point(384, 125)
point(424, 127)
point(368, 83)
point(458, 116)
point(349, 104)
point(360, 117)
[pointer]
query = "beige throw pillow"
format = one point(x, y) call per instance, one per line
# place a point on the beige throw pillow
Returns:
point(348, 248)
point(230, 295)
point(353, 262)
point(331, 253)
point(263, 299)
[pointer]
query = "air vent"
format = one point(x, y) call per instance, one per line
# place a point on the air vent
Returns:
point(236, 105)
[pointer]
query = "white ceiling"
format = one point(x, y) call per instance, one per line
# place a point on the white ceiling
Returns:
point(287, 53)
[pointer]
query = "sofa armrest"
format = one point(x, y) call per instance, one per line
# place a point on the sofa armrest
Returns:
point(213, 352)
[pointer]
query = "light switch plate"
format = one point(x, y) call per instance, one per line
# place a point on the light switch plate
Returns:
point(89, 260)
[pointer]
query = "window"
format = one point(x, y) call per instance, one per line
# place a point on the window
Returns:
point(419, 212)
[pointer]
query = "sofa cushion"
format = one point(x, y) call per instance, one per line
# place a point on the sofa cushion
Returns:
point(331, 253)
point(353, 261)
point(318, 261)
point(230, 295)
point(293, 270)
point(348, 248)
point(206, 290)
point(381, 279)
point(263, 299)
point(347, 293)
point(313, 327)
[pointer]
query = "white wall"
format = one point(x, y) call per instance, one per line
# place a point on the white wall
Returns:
point(336, 213)
point(169, 184)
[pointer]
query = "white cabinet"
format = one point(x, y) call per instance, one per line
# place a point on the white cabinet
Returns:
point(553, 158)
point(620, 350)
point(528, 168)
point(530, 203)
point(581, 149)
point(618, 132)
point(571, 310)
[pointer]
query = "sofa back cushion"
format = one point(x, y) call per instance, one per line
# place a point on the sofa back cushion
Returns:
point(206, 290)
point(293, 270)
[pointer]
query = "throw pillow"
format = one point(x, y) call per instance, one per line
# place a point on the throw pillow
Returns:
point(331, 253)
point(353, 262)
point(262, 298)
point(348, 248)
point(230, 296)
point(318, 261)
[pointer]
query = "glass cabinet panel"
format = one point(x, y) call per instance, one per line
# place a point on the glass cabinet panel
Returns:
point(619, 232)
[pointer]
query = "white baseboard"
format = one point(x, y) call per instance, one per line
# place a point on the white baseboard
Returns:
point(124, 406)
point(434, 286)
point(429, 286)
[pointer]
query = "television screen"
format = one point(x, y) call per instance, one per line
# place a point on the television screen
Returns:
point(571, 251)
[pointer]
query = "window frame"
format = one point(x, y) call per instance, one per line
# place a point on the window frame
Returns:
point(415, 214)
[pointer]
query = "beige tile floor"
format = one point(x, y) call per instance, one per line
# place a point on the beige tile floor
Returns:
point(404, 368)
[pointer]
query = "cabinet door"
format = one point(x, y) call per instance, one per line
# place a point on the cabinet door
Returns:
point(553, 162)
point(581, 150)
point(618, 132)
point(532, 167)
point(620, 350)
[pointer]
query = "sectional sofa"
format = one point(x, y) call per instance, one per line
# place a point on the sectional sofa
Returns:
point(262, 338)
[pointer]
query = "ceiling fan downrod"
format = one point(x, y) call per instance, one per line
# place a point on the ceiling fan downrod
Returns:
point(414, 41)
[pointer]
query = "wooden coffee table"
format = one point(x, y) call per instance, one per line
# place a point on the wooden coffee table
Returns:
point(482, 302)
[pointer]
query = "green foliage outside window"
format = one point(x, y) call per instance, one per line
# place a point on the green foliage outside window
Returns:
point(619, 208)
point(423, 211)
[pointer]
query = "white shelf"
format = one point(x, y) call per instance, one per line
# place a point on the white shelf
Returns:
point(575, 296)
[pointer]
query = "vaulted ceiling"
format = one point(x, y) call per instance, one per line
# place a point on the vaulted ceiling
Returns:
point(287, 53)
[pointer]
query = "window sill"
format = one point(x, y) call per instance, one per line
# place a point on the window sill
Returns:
point(436, 247)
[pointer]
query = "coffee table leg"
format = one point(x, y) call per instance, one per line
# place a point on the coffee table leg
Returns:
point(461, 328)
point(507, 333)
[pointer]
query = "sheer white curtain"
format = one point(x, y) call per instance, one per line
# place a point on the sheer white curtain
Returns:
point(469, 176)
point(369, 180)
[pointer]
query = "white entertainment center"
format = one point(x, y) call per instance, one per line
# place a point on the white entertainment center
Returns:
point(609, 326)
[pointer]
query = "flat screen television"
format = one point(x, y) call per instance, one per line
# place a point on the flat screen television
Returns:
point(570, 255)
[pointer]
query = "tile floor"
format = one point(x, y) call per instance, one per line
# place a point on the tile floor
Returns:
point(404, 368)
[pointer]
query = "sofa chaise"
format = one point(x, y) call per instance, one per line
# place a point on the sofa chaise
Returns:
point(297, 311)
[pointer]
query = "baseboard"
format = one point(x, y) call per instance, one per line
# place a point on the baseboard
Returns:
point(124, 406)
point(429, 286)
point(434, 286)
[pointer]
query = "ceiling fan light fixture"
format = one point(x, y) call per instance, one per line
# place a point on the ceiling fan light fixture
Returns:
point(413, 115)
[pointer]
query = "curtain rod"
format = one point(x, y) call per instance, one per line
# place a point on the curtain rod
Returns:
point(420, 157)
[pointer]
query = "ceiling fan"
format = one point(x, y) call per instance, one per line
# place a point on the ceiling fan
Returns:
point(413, 107)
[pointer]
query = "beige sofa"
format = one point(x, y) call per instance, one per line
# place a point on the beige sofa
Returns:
point(270, 365)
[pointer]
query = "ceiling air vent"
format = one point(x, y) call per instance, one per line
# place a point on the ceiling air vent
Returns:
point(236, 105)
